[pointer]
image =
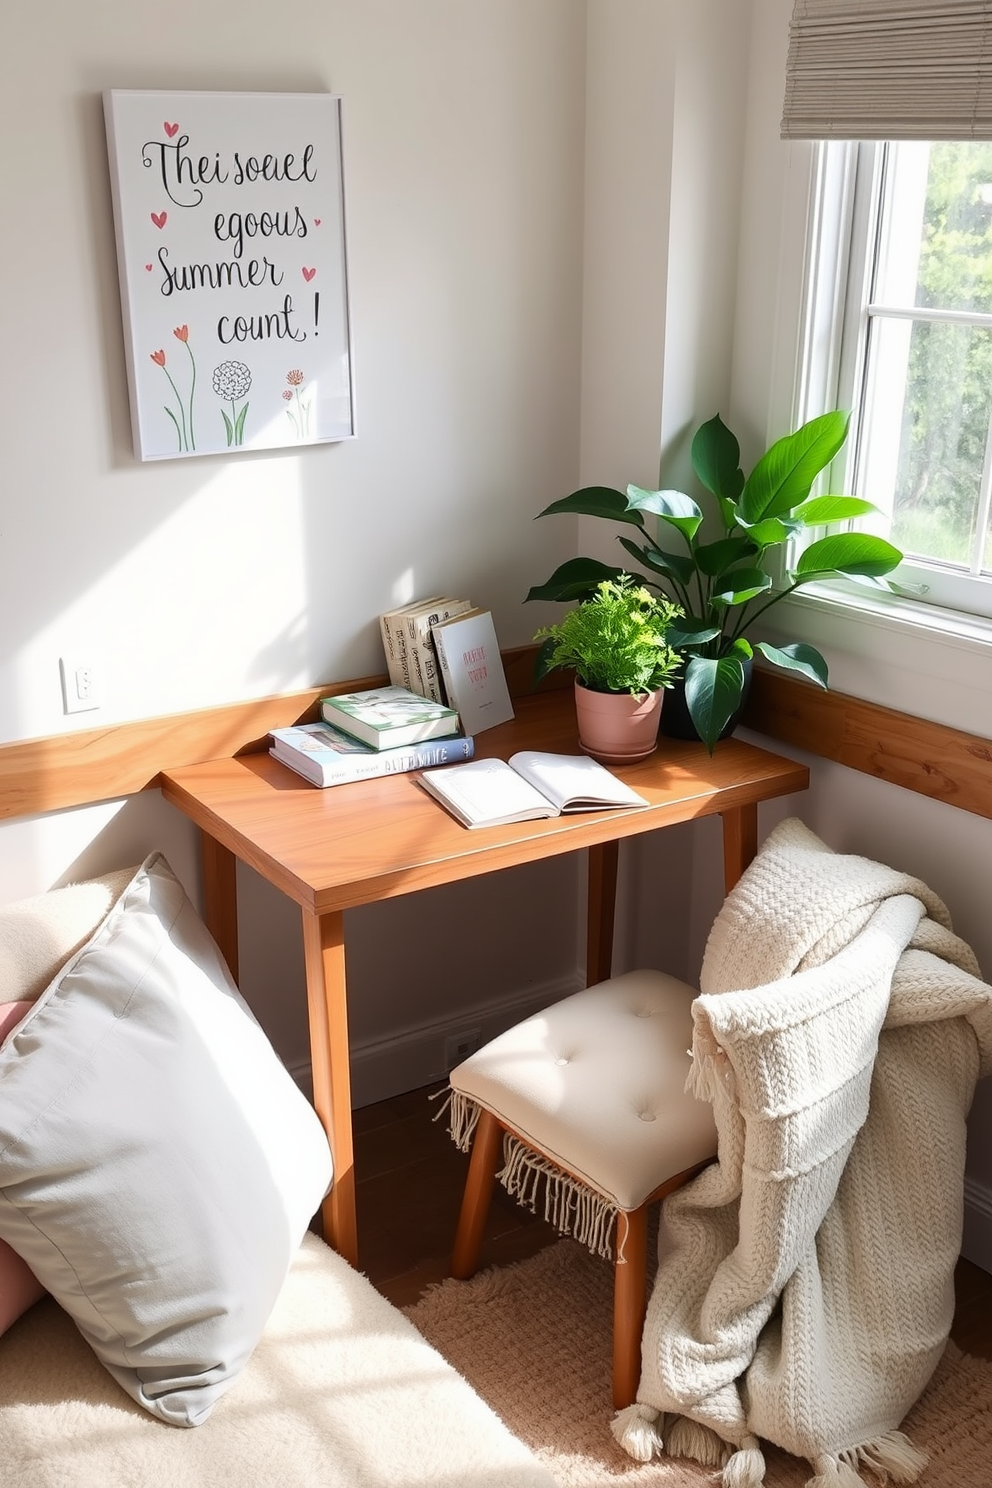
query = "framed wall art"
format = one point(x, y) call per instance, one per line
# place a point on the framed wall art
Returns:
point(229, 217)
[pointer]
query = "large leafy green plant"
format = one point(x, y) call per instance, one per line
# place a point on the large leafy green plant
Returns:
point(722, 584)
point(614, 641)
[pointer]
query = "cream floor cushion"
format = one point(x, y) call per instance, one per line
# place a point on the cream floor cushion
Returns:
point(341, 1392)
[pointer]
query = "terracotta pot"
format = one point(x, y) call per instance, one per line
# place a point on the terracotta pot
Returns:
point(616, 727)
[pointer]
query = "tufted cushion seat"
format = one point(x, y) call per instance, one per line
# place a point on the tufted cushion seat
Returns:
point(584, 1104)
point(596, 1083)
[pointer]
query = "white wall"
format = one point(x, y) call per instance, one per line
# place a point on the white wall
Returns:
point(228, 577)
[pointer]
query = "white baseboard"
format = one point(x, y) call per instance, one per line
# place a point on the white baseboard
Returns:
point(403, 1061)
point(976, 1245)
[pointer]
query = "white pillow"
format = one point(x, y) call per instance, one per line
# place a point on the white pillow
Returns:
point(158, 1165)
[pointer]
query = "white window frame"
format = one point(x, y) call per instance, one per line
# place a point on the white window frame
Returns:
point(921, 658)
point(842, 227)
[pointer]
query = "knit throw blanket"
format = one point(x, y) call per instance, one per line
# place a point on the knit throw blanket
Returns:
point(804, 1291)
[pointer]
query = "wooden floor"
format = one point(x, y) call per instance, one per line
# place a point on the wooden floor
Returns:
point(410, 1178)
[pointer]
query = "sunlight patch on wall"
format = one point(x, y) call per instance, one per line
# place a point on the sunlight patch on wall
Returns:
point(209, 607)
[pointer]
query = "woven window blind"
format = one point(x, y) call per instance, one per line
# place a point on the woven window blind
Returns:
point(889, 69)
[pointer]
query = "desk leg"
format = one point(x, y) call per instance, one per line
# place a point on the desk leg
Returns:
point(740, 841)
point(601, 899)
point(220, 898)
point(323, 945)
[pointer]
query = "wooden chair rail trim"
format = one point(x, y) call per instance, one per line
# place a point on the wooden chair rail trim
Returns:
point(83, 766)
point(80, 767)
point(928, 758)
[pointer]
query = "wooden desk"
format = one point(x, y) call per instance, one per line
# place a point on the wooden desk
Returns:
point(331, 850)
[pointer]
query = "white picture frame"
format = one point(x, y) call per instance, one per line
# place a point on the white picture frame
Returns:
point(230, 227)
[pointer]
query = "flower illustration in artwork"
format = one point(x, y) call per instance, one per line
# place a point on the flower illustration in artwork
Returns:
point(181, 333)
point(183, 422)
point(300, 398)
point(232, 380)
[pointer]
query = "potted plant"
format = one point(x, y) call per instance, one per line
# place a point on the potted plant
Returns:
point(722, 584)
point(616, 642)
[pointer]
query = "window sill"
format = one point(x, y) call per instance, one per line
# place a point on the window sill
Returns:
point(913, 657)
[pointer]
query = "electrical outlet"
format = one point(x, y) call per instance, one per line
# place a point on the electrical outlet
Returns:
point(82, 682)
point(460, 1045)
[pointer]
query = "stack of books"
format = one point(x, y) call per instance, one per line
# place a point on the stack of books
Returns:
point(411, 660)
point(361, 735)
point(446, 649)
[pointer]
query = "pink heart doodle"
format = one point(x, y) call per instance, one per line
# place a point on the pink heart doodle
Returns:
point(160, 218)
point(308, 274)
point(170, 129)
point(148, 268)
point(316, 222)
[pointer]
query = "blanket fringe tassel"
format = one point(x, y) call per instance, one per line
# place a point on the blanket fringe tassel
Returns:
point(891, 1457)
point(638, 1429)
point(711, 1075)
point(746, 1468)
point(688, 1438)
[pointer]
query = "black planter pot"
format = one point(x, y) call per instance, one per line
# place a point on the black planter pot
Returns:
point(675, 720)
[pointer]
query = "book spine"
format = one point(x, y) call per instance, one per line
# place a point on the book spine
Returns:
point(427, 672)
point(415, 644)
point(397, 652)
point(444, 667)
point(389, 645)
point(346, 769)
point(403, 656)
point(418, 682)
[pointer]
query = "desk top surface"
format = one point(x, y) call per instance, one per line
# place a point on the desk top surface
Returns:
point(338, 847)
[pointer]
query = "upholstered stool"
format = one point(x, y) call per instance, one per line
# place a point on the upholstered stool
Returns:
point(585, 1102)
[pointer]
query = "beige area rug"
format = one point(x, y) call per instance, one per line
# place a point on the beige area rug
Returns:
point(534, 1340)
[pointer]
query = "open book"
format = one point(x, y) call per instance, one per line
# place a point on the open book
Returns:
point(489, 792)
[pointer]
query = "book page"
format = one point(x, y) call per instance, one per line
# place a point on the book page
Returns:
point(486, 792)
point(574, 782)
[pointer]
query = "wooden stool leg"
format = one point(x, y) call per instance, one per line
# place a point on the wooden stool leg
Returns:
point(486, 1151)
point(630, 1285)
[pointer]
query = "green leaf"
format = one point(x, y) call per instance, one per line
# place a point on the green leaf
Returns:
point(729, 514)
point(673, 565)
point(782, 478)
point(176, 423)
point(713, 693)
point(673, 507)
point(576, 579)
point(771, 531)
point(716, 459)
point(239, 427)
point(688, 631)
point(717, 557)
point(595, 501)
point(748, 583)
point(820, 510)
point(848, 553)
point(229, 427)
point(805, 660)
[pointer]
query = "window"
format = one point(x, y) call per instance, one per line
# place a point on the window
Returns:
point(900, 332)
